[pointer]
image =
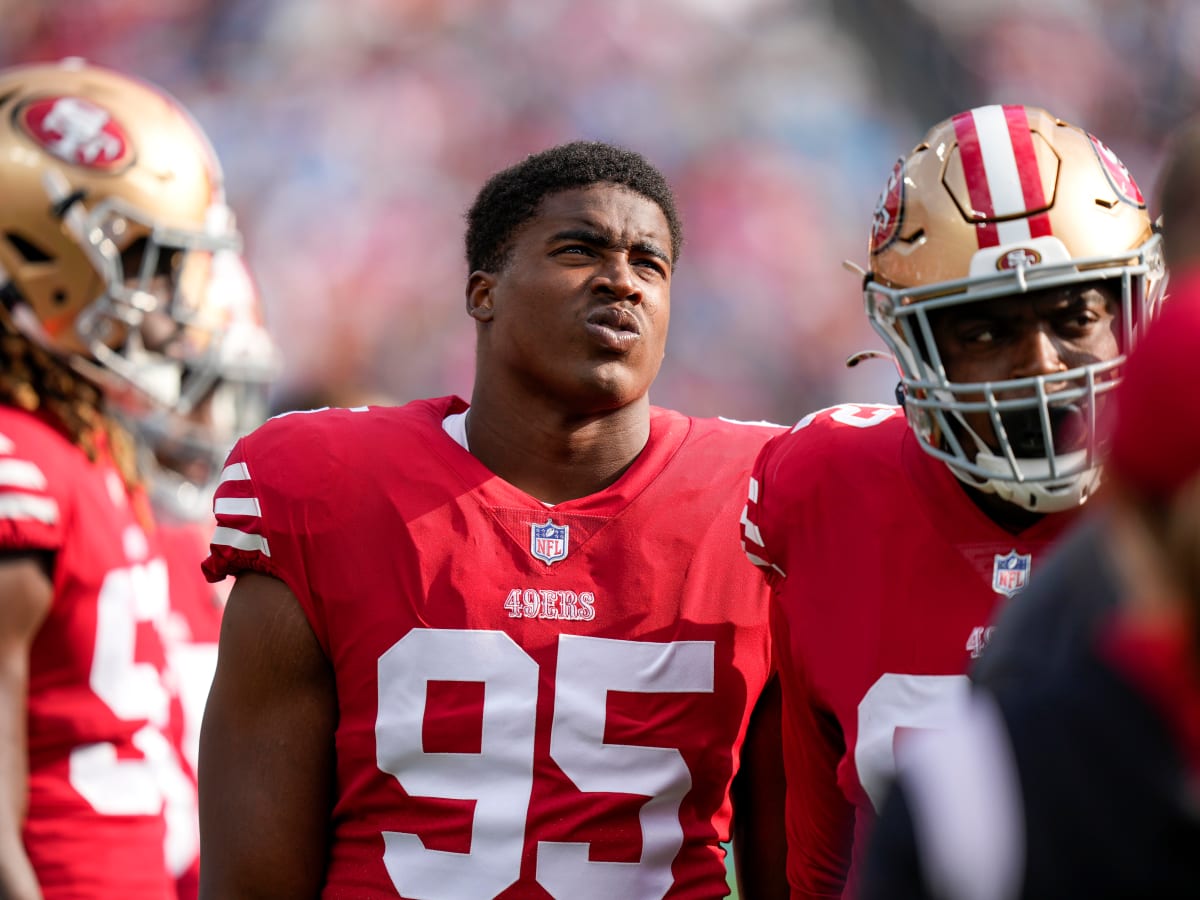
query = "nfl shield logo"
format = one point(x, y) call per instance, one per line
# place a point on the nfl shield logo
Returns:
point(548, 542)
point(1010, 572)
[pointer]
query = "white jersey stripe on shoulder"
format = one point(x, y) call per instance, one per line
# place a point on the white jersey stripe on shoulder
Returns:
point(235, 472)
point(240, 540)
point(1003, 176)
point(21, 473)
point(27, 506)
point(763, 564)
point(6, 444)
point(750, 529)
point(237, 506)
point(753, 489)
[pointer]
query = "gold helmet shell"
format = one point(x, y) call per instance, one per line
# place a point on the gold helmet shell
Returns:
point(113, 206)
point(998, 201)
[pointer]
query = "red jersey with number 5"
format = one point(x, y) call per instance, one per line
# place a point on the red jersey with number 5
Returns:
point(193, 624)
point(96, 700)
point(886, 577)
point(534, 701)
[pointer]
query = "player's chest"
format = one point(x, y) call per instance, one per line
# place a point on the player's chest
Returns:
point(857, 606)
point(468, 565)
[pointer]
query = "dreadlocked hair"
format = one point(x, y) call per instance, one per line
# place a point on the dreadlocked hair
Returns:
point(35, 380)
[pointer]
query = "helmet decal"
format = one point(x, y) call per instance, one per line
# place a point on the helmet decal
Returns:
point(1015, 259)
point(889, 211)
point(1006, 197)
point(77, 131)
point(1118, 176)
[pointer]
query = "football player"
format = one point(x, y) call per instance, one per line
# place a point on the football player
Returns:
point(504, 648)
point(1044, 627)
point(182, 449)
point(113, 211)
point(1012, 265)
point(1079, 781)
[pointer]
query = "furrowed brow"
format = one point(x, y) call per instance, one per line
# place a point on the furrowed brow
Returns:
point(652, 250)
point(585, 236)
point(608, 241)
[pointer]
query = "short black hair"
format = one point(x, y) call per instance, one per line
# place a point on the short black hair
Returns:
point(511, 197)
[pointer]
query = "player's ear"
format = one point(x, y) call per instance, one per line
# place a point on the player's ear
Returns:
point(480, 289)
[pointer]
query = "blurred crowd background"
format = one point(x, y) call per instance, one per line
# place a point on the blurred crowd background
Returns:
point(355, 132)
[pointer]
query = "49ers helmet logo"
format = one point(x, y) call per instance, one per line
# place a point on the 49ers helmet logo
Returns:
point(76, 131)
point(1018, 259)
point(1118, 176)
point(889, 211)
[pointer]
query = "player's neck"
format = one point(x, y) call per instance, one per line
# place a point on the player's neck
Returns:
point(554, 456)
point(1012, 518)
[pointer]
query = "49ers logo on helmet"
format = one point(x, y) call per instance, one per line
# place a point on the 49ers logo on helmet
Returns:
point(889, 211)
point(1018, 259)
point(76, 131)
point(1118, 176)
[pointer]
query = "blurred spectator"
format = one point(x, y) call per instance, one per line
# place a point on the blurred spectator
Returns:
point(353, 134)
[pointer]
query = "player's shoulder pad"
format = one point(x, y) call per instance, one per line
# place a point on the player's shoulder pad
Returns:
point(846, 435)
point(729, 440)
point(333, 439)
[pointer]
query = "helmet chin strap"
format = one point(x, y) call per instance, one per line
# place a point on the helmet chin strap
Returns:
point(1037, 495)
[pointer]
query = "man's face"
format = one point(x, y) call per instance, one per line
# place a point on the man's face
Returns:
point(1040, 333)
point(580, 310)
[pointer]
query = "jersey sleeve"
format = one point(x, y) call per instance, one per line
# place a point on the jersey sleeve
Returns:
point(820, 818)
point(31, 507)
point(278, 489)
point(753, 520)
point(793, 468)
point(240, 542)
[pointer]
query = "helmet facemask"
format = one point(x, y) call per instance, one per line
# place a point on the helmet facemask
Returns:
point(1043, 440)
point(222, 385)
point(147, 331)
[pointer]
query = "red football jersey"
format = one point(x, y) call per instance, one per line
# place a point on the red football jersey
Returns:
point(97, 704)
point(534, 701)
point(886, 577)
point(194, 623)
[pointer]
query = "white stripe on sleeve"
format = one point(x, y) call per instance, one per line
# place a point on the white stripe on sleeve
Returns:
point(21, 473)
point(235, 472)
point(237, 506)
point(27, 506)
point(240, 540)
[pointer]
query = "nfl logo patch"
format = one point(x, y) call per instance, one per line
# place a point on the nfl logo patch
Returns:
point(1010, 572)
point(548, 542)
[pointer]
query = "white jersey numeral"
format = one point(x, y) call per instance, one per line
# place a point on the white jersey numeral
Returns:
point(896, 702)
point(134, 691)
point(500, 777)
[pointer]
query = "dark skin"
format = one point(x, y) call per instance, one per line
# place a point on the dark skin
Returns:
point(570, 335)
point(28, 592)
point(1039, 333)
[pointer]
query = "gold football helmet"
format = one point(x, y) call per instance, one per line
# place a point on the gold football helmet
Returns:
point(997, 201)
point(113, 208)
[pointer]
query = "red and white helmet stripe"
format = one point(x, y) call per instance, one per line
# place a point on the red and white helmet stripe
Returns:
point(1001, 170)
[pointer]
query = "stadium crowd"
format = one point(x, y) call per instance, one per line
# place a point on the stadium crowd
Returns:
point(354, 133)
